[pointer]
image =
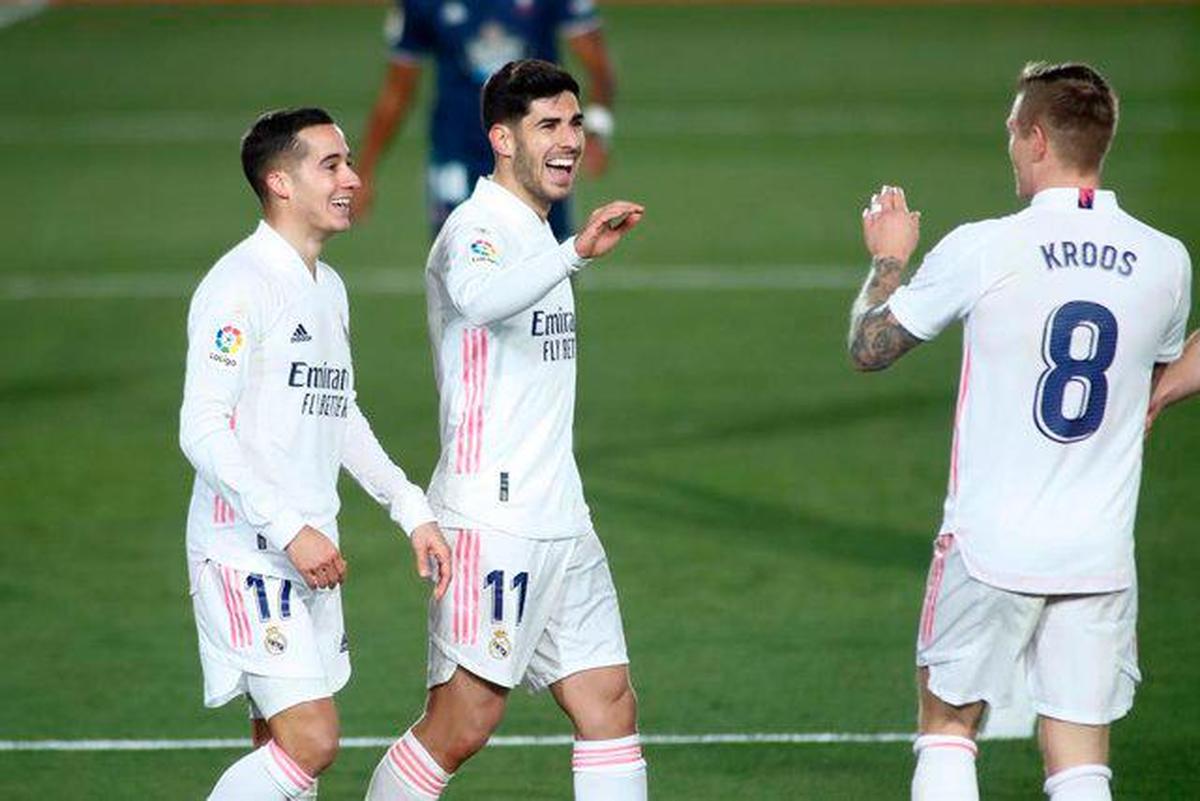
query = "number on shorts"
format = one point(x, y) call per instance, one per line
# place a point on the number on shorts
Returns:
point(520, 583)
point(256, 582)
point(1064, 370)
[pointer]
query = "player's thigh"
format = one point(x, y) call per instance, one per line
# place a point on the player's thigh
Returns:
point(584, 631)
point(1083, 658)
point(971, 635)
point(500, 599)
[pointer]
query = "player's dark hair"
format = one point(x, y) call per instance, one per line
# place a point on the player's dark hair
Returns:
point(1076, 107)
point(272, 136)
point(512, 88)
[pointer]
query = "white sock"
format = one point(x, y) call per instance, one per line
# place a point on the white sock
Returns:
point(945, 769)
point(267, 774)
point(1080, 783)
point(407, 773)
point(609, 770)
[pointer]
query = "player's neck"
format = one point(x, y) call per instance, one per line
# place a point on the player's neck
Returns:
point(1063, 178)
point(304, 240)
point(506, 179)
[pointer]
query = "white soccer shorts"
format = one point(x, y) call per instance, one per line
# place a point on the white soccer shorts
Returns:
point(1080, 650)
point(273, 639)
point(526, 610)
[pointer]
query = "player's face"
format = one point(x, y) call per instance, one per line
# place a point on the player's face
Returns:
point(323, 180)
point(1019, 148)
point(548, 146)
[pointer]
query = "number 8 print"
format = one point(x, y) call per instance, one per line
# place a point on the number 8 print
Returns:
point(1064, 370)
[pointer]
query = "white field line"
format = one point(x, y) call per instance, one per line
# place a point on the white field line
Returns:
point(13, 12)
point(510, 741)
point(611, 278)
point(793, 738)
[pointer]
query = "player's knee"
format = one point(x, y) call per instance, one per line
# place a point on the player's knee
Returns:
point(315, 749)
point(473, 728)
point(610, 712)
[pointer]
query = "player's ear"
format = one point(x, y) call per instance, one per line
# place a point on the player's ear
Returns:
point(501, 137)
point(279, 184)
point(1041, 142)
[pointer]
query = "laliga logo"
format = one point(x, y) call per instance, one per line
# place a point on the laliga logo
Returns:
point(229, 340)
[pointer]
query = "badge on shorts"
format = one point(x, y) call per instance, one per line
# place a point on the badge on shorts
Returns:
point(274, 641)
point(500, 647)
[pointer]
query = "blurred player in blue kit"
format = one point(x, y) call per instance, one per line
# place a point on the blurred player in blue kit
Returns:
point(468, 41)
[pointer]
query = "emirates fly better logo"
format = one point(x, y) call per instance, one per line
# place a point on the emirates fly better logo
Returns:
point(229, 340)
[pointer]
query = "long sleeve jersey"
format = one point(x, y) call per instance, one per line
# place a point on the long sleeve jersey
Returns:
point(502, 327)
point(269, 412)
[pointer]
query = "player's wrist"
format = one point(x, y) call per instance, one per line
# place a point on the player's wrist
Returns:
point(598, 121)
point(572, 258)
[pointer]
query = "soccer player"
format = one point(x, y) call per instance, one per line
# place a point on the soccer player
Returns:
point(269, 415)
point(468, 42)
point(532, 598)
point(1069, 308)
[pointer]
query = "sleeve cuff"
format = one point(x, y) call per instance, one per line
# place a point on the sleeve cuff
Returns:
point(903, 316)
point(571, 257)
point(283, 530)
point(410, 510)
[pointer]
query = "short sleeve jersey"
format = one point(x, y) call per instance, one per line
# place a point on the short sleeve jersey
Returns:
point(1067, 306)
point(469, 40)
point(269, 358)
point(507, 388)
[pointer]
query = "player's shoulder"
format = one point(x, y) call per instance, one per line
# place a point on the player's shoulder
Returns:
point(242, 273)
point(975, 235)
point(1150, 234)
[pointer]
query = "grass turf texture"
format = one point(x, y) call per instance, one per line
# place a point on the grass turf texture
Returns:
point(767, 512)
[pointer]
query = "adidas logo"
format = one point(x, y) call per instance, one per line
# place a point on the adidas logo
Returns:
point(300, 334)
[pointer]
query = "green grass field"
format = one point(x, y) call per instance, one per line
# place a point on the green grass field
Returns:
point(767, 512)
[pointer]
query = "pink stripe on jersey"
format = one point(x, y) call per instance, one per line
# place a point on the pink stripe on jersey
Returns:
point(461, 439)
point(482, 378)
point(963, 382)
point(933, 586)
point(294, 772)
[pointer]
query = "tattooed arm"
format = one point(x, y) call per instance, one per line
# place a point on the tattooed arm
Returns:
point(876, 337)
point(891, 232)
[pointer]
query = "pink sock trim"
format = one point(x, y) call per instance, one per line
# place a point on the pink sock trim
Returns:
point(294, 772)
point(945, 741)
point(412, 762)
point(621, 751)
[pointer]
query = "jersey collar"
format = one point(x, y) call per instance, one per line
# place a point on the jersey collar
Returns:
point(282, 255)
point(1072, 197)
point(503, 202)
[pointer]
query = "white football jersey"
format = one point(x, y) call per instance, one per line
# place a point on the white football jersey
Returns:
point(269, 412)
point(502, 328)
point(1067, 307)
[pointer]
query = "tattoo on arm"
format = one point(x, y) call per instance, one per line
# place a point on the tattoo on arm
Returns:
point(876, 337)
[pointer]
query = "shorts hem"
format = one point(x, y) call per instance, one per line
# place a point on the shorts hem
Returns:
point(451, 654)
point(1074, 716)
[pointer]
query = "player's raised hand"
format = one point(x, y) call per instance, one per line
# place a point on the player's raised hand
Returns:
point(317, 559)
point(890, 230)
point(605, 227)
point(430, 548)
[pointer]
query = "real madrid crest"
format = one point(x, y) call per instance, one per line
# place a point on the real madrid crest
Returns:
point(274, 641)
point(500, 647)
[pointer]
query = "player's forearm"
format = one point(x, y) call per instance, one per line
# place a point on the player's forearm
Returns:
point(217, 455)
point(365, 459)
point(591, 51)
point(876, 340)
point(493, 295)
point(1181, 378)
